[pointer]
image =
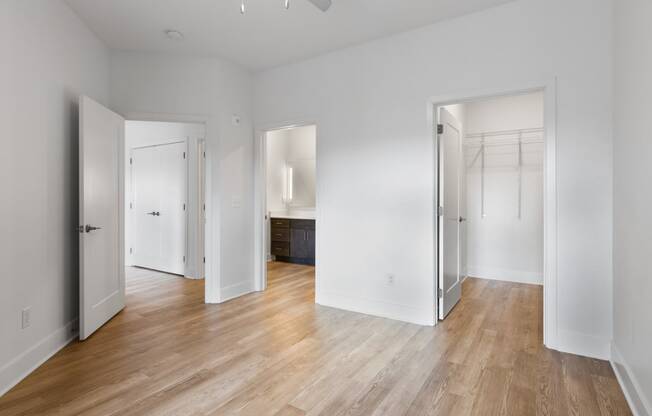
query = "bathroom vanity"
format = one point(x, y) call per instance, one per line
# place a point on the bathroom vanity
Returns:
point(293, 239)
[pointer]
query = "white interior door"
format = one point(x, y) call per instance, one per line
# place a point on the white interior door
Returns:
point(160, 178)
point(102, 280)
point(450, 152)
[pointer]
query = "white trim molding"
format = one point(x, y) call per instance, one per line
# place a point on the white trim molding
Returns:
point(638, 403)
point(235, 291)
point(375, 307)
point(23, 365)
point(507, 275)
point(586, 345)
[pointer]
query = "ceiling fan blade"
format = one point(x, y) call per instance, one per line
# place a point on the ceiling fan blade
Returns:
point(323, 5)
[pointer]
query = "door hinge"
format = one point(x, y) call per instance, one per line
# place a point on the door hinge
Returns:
point(440, 211)
point(204, 155)
point(131, 250)
point(184, 259)
point(184, 155)
point(131, 205)
point(441, 292)
point(184, 207)
point(131, 160)
point(440, 129)
point(204, 259)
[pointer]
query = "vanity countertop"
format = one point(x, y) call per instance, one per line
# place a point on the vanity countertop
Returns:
point(298, 215)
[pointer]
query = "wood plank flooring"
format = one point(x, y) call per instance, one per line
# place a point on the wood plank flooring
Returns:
point(277, 353)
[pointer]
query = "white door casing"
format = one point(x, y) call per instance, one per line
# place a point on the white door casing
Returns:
point(450, 151)
point(160, 179)
point(101, 216)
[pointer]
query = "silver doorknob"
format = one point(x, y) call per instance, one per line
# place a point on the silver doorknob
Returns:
point(462, 219)
point(90, 228)
point(154, 213)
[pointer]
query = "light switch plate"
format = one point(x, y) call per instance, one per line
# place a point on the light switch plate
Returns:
point(26, 317)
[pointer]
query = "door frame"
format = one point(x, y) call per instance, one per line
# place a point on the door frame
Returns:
point(550, 224)
point(209, 267)
point(260, 197)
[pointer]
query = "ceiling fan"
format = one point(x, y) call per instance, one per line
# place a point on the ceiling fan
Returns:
point(322, 5)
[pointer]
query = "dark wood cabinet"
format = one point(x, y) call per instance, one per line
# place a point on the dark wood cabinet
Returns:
point(293, 241)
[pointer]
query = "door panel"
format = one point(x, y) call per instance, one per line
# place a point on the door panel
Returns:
point(173, 196)
point(160, 178)
point(311, 243)
point(102, 280)
point(450, 152)
point(298, 244)
point(147, 233)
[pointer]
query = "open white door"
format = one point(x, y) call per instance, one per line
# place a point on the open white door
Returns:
point(450, 142)
point(101, 219)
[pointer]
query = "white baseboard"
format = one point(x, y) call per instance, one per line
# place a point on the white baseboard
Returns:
point(638, 403)
point(583, 344)
point(507, 275)
point(234, 291)
point(193, 277)
point(405, 313)
point(23, 365)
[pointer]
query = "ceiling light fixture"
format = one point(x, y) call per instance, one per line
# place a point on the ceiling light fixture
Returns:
point(323, 5)
point(174, 34)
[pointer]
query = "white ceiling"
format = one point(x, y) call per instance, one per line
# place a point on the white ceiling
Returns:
point(267, 35)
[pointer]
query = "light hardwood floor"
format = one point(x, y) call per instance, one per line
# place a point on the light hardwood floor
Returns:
point(277, 353)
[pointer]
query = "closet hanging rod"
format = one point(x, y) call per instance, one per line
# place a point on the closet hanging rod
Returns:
point(501, 144)
point(503, 133)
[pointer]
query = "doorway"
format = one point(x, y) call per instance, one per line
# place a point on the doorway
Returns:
point(165, 200)
point(288, 202)
point(131, 174)
point(495, 191)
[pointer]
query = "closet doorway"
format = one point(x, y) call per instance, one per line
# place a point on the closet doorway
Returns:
point(492, 196)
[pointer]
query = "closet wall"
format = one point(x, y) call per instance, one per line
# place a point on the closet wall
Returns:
point(502, 244)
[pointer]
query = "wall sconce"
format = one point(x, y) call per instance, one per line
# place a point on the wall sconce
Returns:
point(288, 189)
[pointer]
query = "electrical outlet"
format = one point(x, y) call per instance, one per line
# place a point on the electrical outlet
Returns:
point(390, 279)
point(27, 317)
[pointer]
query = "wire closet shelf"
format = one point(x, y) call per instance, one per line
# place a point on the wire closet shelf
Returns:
point(504, 138)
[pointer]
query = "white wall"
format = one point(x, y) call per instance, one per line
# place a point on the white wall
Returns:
point(632, 201)
point(151, 133)
point(375, 175)
point(48, 57)
point(211, 90)
point(501, 245)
